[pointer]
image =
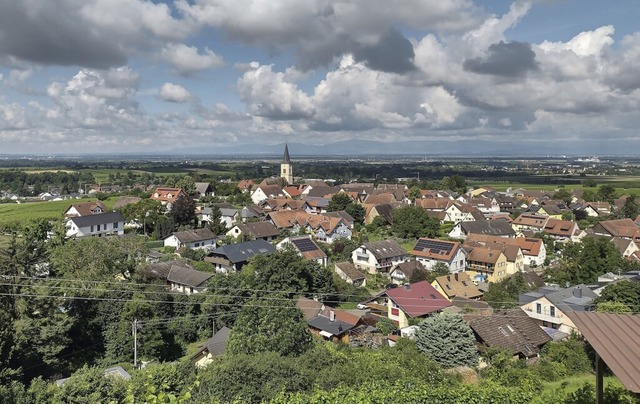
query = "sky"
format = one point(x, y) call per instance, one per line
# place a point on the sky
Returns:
point(138, 76)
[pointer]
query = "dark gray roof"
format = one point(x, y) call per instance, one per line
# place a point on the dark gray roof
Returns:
point(99, 218)
point(385, 249)
point(285, 157)
point(190, 236)
point(335, 327)
point(216, 344)
point(341, 214)
point(491, 227)
point(187, 276)
point(575, 298)
point(259, 229)
point(241, 252)
point(161, 269)
point(511, 329)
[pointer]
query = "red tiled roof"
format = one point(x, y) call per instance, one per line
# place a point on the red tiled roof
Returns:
point(419, 299)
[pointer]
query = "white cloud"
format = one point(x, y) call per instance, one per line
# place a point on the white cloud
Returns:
point(188, 61)
point(174, 93)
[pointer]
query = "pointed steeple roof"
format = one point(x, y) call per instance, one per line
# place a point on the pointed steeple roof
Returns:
point(285, 158)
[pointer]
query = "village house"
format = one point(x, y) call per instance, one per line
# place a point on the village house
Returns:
point(187, 280)
point(85, 209)
point(498, 227)
point(416, 300)
point(263, 192)
point(95, 225)
point(193, 239)
point(328, 229)
point(511, 330)
point(379, 256)
point(404, 272)
point(486, 206)
point(167, 196)
point(212, 348)
point(232, 257)
point(533, 249)
point(623, 228)
point(384, 211)
point(350, 274)
point(306, 248)
point(486, 264)
point(430, 252)
point(529, 222)
point(457, 285)
point(549, 305)
point(254, 231)
point(512, 252)
point(563, 230)
point(203, 189)
point(461, 212)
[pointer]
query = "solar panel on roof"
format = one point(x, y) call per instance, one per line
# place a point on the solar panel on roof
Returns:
point(435, 246)
point(304, 245)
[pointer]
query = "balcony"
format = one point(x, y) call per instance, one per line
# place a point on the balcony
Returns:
point(544, 315)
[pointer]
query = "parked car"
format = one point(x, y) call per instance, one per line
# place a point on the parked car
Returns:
point(390, 286)
point(361, 306)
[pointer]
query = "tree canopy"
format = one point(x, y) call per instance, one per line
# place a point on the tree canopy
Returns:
point(414, 222)
point(448, 340)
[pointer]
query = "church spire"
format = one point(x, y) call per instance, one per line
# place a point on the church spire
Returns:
point(285, 158)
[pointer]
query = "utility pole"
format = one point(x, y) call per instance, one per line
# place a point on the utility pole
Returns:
point(213, 326)
point(135, 343)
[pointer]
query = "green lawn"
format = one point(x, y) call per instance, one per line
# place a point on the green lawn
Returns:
point(27, 211)
point(571, 384)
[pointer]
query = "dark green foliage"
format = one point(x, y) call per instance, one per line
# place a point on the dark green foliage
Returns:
point(624, 292)
point(583, 262)
point(214, 224)
point(269, 325)
point(631, 207)
point(147, 212)
point(386, 326)
point(448, 340)
point(455, 183)
point(563, 195)
point(606, 193)
point(440, 269)
point(504, 294)
point(413, 222)
point(183, 211)
point(356, 211)
point(339, 201)
point(572, 353)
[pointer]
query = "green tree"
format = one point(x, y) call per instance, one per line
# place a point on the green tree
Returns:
point(563, 195)
point(504, 294)
point(386, 326)
point(606, 193)
point(415, 193)
point(623, 292)
point(183, 211)
point(356, 211)
point(269, 325)
point(590, 183)
point(187, 184)
point(339, 201)
point(215, 223)
point(631, 207)
point(613, 307)
point(440, 269)
point(414, 222)
point(146, 213)
point(583, 262)
point(589, 195)
point(448, 340)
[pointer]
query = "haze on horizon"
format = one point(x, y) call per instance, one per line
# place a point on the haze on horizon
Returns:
point(140, 76)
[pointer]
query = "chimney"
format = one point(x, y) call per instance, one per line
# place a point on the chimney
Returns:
point(577, 292)
point(407, 286)
point(332, 315)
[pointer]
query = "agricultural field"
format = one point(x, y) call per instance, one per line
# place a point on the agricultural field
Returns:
point(12, 213)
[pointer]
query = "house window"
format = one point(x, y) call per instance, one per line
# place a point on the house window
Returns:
point(538, 308)
point(91, 229)
point(98, 227)
point(115, 225)
point(552, 311)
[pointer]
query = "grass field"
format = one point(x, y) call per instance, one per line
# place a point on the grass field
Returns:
point(24, 212)
point(571, 384)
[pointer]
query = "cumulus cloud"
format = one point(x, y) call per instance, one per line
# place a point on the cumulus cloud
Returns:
point(510, 59)
point(188, 61)
point(319, 32)
point(94, 34)
point(174, 93)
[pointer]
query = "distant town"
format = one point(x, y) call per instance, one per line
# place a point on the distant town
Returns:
point(487, 277)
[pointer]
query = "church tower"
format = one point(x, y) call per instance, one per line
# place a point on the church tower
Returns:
point(286, 171)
